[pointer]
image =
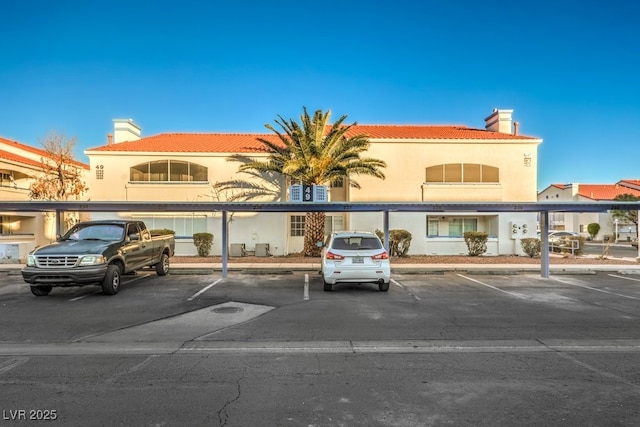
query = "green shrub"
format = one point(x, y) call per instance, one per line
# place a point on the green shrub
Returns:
point(161, 232)
point(593, 229)
point(476, 242)
point(399, 242)
point(531, 246)
point(203, 242)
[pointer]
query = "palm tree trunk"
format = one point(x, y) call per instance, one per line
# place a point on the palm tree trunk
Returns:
point(313, 233)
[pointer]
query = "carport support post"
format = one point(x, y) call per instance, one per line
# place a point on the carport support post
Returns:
point(386, 231)
point(59, 222)
point(225, 238)
point(544, 244)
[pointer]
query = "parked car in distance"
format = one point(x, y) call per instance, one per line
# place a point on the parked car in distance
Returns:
point(556, 236)
point(634, 243)
point(355, 257)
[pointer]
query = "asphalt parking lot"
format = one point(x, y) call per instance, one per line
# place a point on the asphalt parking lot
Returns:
point(437, 349)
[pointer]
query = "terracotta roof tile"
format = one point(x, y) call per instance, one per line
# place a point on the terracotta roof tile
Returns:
point(34, 150)
point(605, 191)
point(243, 143)
point(24, 147)
point(192, 143)
point(18, 159)
point(632, 182)
point(431, 132)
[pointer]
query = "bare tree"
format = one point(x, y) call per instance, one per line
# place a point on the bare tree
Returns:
point(61, 175)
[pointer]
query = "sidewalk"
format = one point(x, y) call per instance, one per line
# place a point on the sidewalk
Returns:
point(314, 267)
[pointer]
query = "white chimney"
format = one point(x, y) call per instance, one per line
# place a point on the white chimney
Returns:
point(499, 121)
point(125, 130)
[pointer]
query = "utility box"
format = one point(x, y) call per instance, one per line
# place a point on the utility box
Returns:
point(237, 249)
point(519, 230)
point(262, 249)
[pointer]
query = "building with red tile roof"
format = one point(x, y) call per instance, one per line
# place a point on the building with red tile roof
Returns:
point(424, 163)
point(19, 165)
point(591, 192)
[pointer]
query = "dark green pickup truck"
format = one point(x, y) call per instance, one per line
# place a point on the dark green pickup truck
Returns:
point(97, 253)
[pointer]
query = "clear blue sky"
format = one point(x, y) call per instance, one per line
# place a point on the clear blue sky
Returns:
point(570, 70)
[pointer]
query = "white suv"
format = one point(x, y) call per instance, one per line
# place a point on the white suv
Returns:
point(355, 257)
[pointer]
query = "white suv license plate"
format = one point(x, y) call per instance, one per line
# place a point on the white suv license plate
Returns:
point(357, 260)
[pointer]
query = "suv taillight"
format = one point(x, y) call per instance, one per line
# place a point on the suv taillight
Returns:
point(383, 255)
point(331, 255)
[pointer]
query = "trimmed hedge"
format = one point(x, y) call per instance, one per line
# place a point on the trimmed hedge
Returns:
point(203, 243)
point(399, 242)
point(476, 242)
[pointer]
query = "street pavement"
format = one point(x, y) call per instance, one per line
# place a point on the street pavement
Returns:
point(263, 348)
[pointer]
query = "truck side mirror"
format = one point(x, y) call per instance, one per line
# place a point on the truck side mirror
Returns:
point(134, 237)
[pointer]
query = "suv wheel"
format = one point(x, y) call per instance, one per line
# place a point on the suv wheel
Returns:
point(384, 287)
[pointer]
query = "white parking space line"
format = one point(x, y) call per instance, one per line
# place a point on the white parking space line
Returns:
point(624, 277)
point(513, 294)
point(84, 296)
point(12, 363)
point(203, 290)
point(306, 287)
point(99, 291)
point(596, 289)
point(132, 370)
point(400, 285)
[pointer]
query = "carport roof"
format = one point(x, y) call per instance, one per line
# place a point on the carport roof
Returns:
point(92, 206)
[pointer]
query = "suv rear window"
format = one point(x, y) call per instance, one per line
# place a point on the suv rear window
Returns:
point(356, 242)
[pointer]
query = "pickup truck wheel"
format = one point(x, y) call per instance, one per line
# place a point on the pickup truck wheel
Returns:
point(162, 268)
point(41, 291)
point(111, 281)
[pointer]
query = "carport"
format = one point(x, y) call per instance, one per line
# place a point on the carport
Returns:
point(542, 208)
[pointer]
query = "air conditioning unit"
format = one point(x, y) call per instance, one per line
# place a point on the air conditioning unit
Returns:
point(262, 249)
point(237, 249)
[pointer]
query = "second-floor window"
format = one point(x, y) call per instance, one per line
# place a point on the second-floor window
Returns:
point(462, 172)
point(168, 171)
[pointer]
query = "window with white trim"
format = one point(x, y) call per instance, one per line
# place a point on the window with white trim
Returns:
point(297, 225)
point(433, 227)
point(462, 173)
point(183, 225)
point(333, 223)
point(458, 226)
point(168, 171)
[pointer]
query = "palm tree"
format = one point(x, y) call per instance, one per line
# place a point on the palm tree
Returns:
point(312, 153)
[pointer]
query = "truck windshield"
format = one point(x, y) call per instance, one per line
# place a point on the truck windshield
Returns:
point(108, 232)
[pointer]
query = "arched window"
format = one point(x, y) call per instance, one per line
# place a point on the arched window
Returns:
point(462, 172)
point(168, 171)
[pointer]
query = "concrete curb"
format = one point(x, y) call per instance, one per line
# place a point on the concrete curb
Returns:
point(478, 269)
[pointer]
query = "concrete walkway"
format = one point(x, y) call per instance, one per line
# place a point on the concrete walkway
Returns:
point(275, 267)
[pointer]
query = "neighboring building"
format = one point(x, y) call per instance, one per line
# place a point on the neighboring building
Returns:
point(578, 222)
point(424, 164)
point(22, 232)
